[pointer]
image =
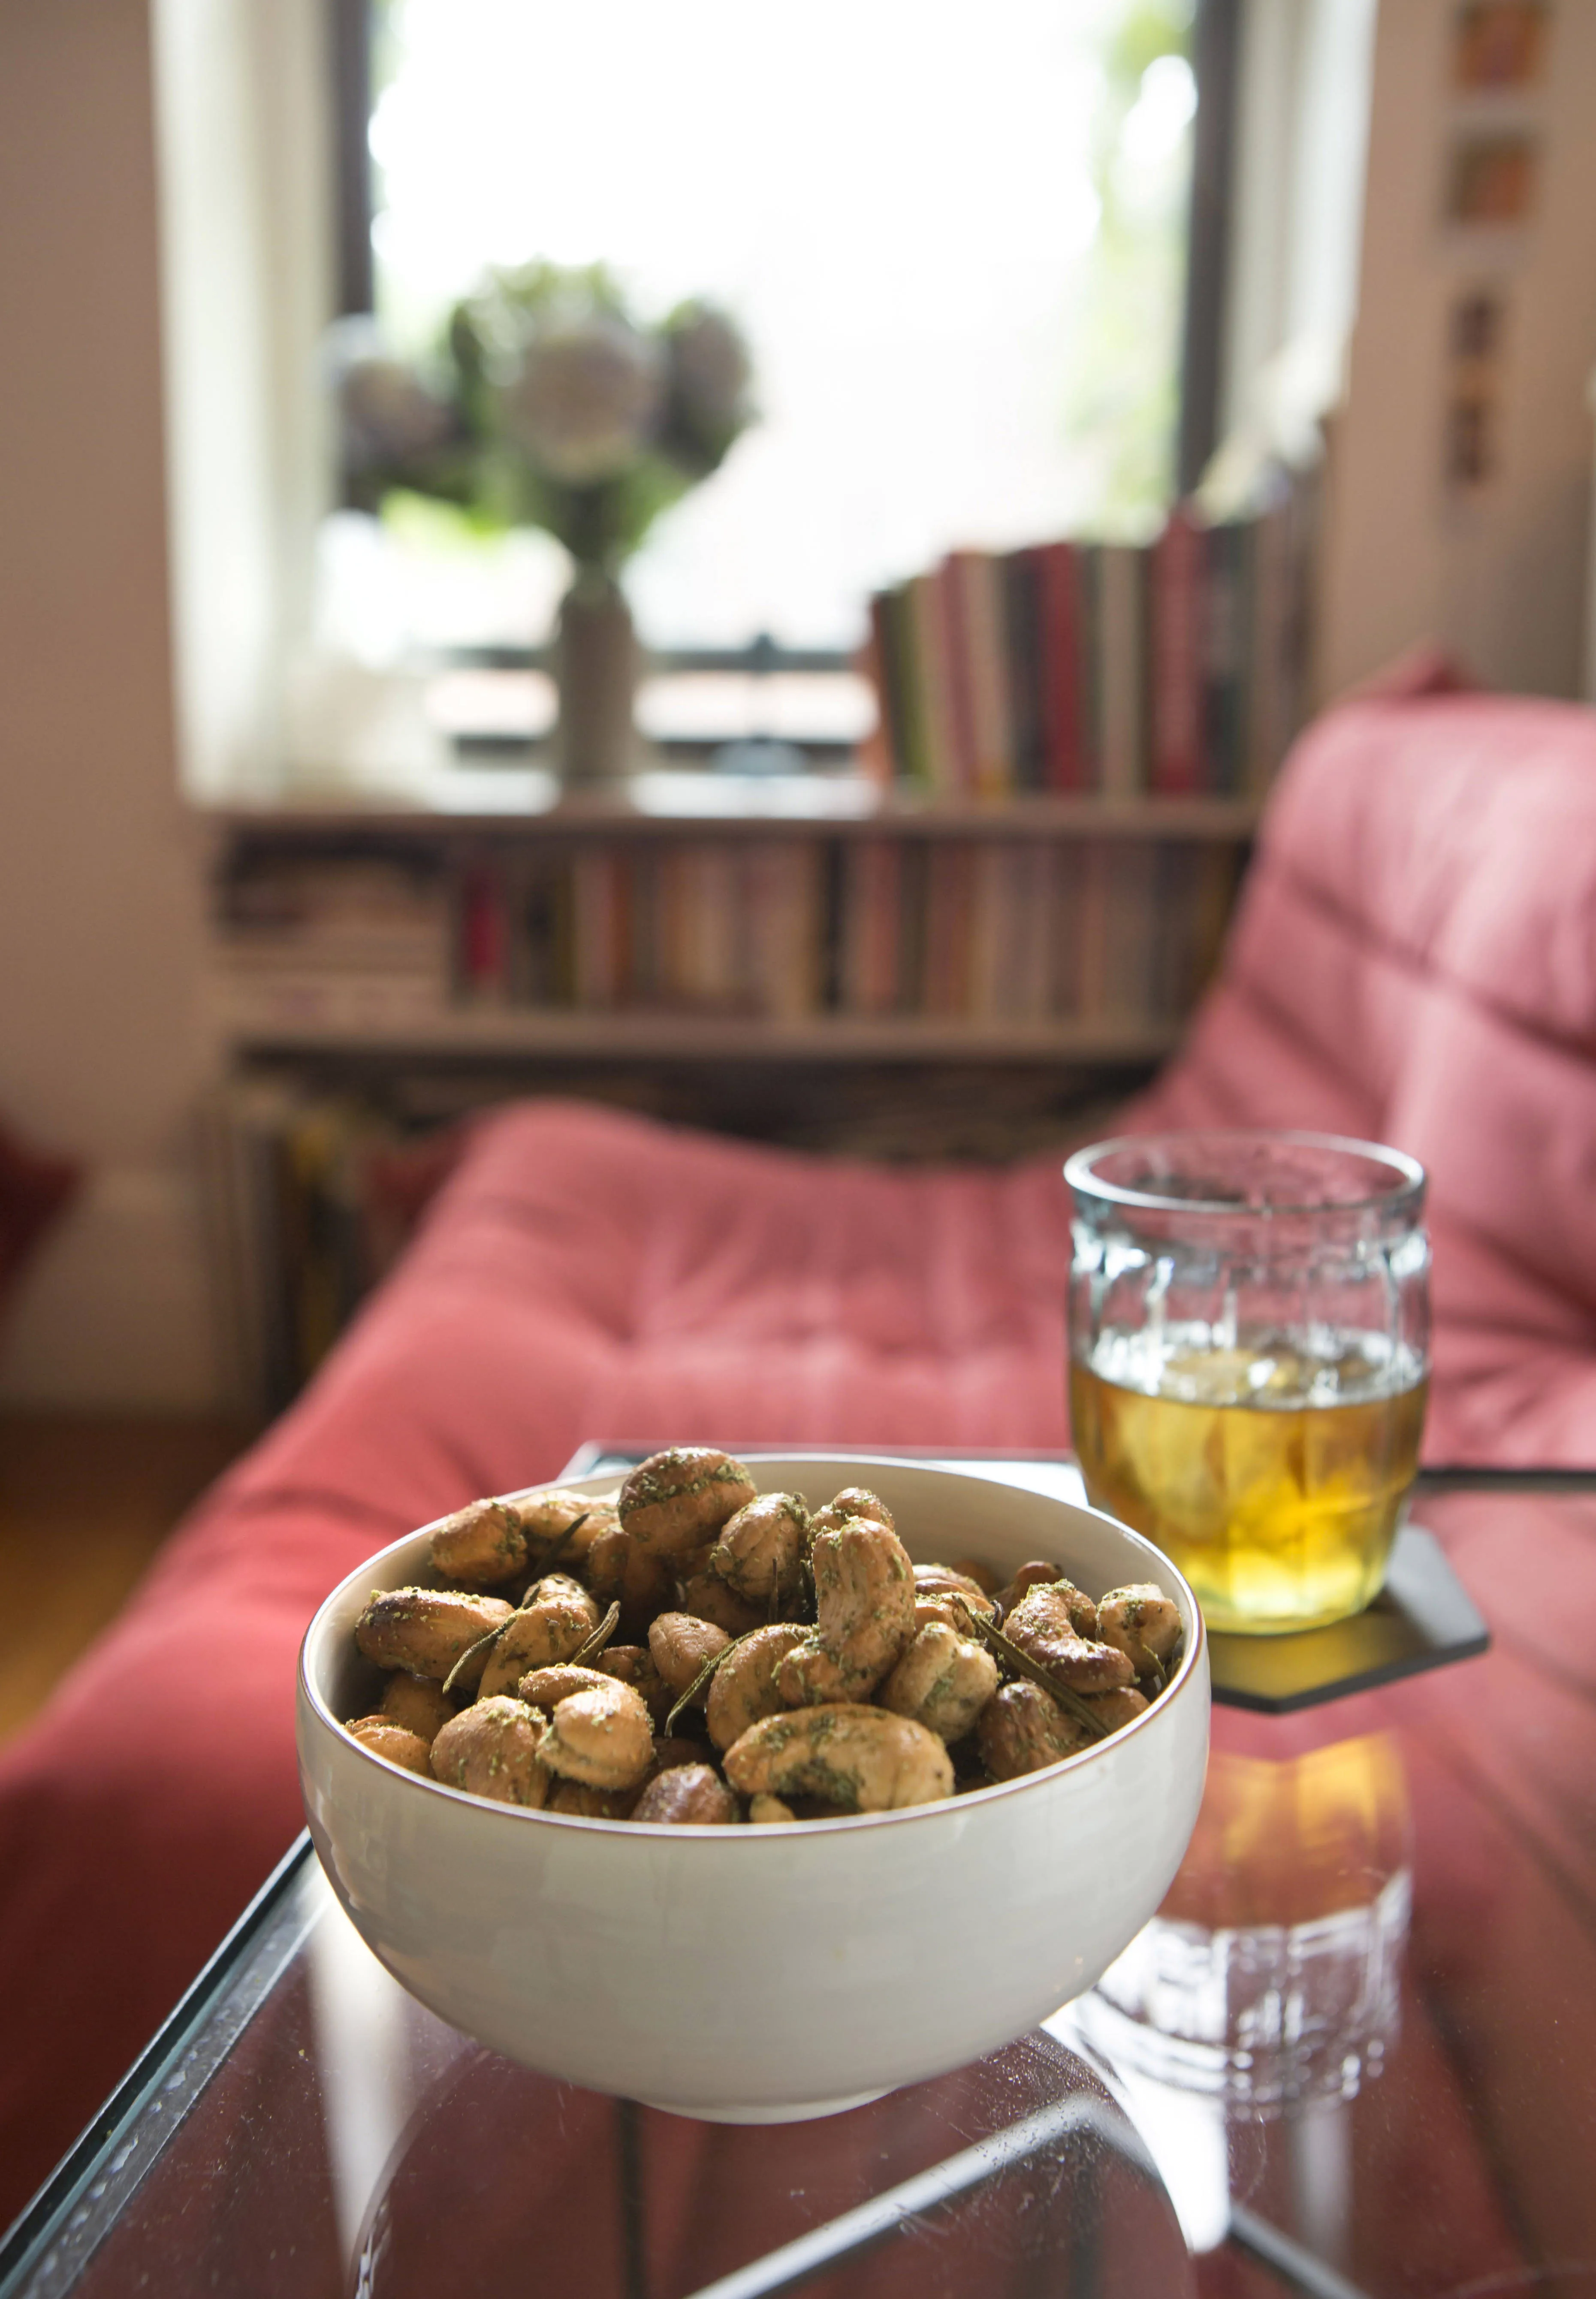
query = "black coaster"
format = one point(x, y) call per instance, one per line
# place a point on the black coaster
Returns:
point(1422, 1618)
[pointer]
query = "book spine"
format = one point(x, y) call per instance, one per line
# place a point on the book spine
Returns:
point(1019, 574)
point(870, 926)
point(1092, 984)
point(957, 650)
point(982, 587)
point(914, 932)
point(884, 668)
point(935, 698)
point(1177, 680)
point(1059, 663)
point(592, 878)
point(1036, 896)
point(1090, 656)
point(990, 899)
point(947, 929)
point(1066, 918)
point(1123, 676)
point(482, 964)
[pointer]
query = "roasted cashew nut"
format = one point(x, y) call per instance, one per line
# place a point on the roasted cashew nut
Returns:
point(620, 1570)
point(676, 1500)
point(760, 1552)
point(680, 1644)
point(1043, 1625)
point(853, 1500)
point(708, 1597)
point(1021, 1728)
point(425, 1631)
point(1039, 1573)
point(865, 1606)
point(546, 1687)
point(857, 1757)
point(633, 1664)
point(1116, 1708)
point(563, 1525)
point(1143, 1623)
point(385, 1738)
point(943, 1681)
point(603, 1737)
point(770, 1811)
point(743, 1688)
point(553, 1623)
point(417, 1702)
point(494, 1749)
point(944, 1581)
point(689, 1796)
point(479, 1545)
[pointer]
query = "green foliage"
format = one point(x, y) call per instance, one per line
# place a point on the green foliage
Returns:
point(548, 404)
point(1122, 402)
point(1152, 29)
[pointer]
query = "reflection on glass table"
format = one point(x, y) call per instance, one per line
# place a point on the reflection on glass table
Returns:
point(1354, 2052)
point(1269, 1977)
point(323, 2133)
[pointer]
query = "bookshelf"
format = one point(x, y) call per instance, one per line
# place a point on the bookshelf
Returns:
point(697, 918)
point(903, 976)
point(650, 1037)
point(967, 942)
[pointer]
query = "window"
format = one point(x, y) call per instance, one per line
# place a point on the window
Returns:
point(954, 236)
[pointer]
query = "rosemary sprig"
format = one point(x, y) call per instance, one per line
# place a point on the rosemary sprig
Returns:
point(483, 1644)
point(557, 1549)
point(1165, 1669)
point(593, 1644)
point(1021, 1664)
point(686, 1699)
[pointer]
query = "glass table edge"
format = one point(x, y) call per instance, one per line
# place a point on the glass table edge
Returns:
point(40, 2221)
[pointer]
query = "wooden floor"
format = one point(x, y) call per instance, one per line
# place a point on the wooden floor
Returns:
point(85, 1503)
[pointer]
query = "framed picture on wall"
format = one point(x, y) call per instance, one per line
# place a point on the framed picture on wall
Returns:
point(1491, 178)
point(1499, 44)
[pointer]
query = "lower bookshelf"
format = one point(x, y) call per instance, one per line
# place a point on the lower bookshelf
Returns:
point(1025, 934)
point(887, 979)
point(642, 1037)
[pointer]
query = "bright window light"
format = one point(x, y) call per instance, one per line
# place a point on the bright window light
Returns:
point(952, 233)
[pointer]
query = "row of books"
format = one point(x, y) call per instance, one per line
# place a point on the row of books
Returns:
point(1175, 670)
point(961, 929)
point(313, 1196)
point(318, 1178)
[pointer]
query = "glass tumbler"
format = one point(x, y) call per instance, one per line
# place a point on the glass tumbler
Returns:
point(1249, 1360)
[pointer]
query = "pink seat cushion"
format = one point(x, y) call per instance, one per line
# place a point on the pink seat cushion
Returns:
point(1413, 962)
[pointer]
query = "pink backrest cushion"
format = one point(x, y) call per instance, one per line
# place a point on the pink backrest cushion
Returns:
point(1414, 961)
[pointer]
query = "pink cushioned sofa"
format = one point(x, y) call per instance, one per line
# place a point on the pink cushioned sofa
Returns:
point(1414, 961)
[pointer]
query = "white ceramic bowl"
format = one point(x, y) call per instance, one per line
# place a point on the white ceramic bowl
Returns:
point(759, 1974)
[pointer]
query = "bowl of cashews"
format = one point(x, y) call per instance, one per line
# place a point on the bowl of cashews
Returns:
point(753, 1788)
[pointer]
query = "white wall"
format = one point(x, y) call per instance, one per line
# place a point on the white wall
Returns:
point(241, 107)
point(102, 1045)
point(1501, 578)
point(1302, 133)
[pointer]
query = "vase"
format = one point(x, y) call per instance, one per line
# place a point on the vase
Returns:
point(596, 667)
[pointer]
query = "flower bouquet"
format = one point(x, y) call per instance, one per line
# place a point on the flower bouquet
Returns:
point(550, 405)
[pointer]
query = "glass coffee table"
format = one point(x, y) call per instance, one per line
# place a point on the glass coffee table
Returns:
point(1354, 2052)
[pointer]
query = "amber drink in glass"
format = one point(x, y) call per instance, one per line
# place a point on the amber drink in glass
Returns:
point(1249, 1360)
